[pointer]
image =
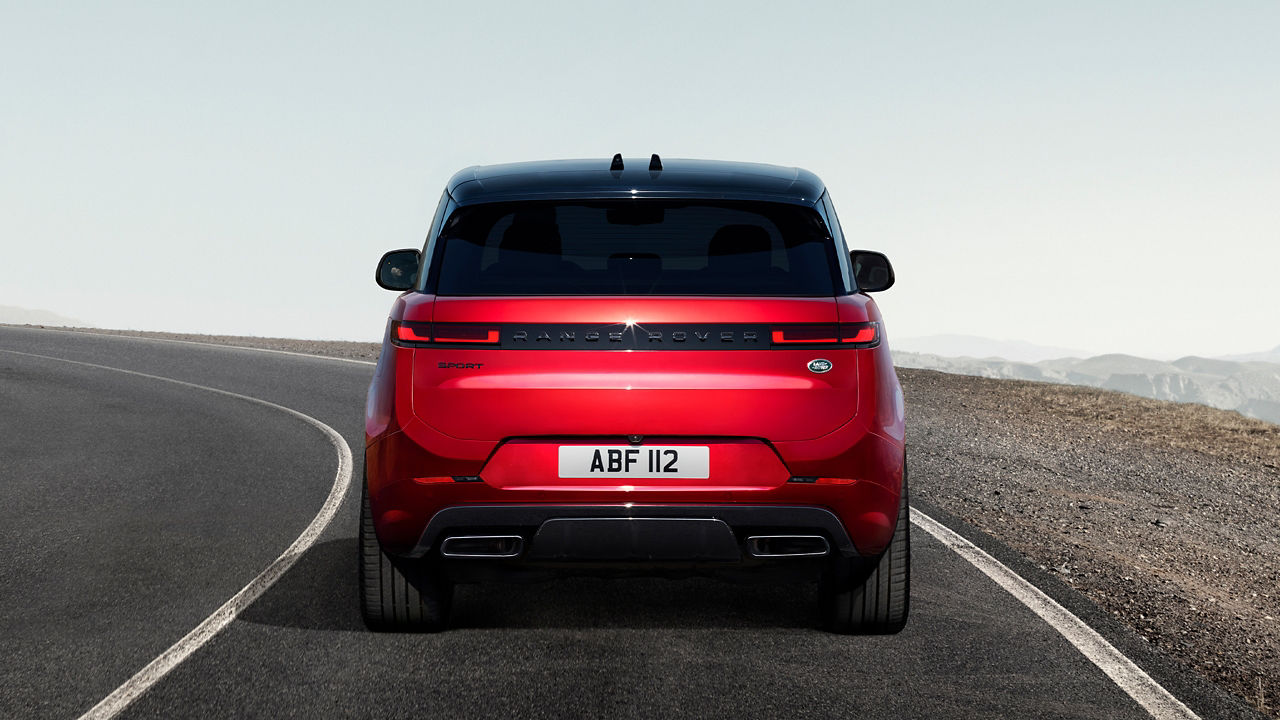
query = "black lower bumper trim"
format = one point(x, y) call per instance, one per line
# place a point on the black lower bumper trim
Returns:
point(627, 539)
point(529, 520)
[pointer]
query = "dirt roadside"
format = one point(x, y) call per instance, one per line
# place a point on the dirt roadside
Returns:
point(1165, 515)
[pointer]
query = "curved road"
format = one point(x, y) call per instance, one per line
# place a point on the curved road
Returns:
point(132, 508)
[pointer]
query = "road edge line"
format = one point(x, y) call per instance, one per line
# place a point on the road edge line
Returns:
point(1151, 695)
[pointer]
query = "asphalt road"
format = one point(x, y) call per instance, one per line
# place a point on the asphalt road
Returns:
point(130, 509)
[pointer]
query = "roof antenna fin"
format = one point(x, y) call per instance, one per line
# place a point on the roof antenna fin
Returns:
point(616, 165)
point(655, 163)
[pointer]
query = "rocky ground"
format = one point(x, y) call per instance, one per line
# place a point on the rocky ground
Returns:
point(1165, 515)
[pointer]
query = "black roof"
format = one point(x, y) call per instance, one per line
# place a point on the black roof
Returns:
point(679, 178)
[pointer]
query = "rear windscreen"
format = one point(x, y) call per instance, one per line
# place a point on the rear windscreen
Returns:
point(635, 247)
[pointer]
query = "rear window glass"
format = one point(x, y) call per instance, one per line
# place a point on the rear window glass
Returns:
point(635, 247)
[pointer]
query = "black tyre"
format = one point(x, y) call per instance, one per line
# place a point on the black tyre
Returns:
point(872, 599)
point(398, 594)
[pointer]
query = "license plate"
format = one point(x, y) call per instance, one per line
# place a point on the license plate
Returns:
point(645, 461)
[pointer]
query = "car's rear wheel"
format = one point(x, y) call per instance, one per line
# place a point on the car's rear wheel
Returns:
point(398, 594)
point(872, 599)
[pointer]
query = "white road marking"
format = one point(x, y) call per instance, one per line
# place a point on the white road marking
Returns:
point(206, 344)
point(1140, 686)
point(134, 687)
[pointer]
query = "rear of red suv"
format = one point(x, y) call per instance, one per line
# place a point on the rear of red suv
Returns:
point(668, 369)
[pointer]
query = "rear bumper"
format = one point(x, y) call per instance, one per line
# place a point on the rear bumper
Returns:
point(857, 518)
point(628, 532)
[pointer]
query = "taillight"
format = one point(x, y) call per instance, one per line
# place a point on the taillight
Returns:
point(459, 333)
point(805, 334)
point(856, 335)
point(410, 333)
point(415, 334)
point(860, 334)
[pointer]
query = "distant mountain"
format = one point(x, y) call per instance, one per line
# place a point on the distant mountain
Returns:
point(1272, 355)
point(1104, 366)
point(972, 346)
point(22, 316)
point(1250, 387)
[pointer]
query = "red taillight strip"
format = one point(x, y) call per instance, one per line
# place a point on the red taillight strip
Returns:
point(414, 334)
point(860, 334)
point(458, 333)
point(857, 335)
point(804, 334)
point(854, 335)
point(410, 333)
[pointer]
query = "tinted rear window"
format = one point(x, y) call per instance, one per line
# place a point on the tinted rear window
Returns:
point(635, 247)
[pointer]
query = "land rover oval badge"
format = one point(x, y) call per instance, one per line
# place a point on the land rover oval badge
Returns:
point(819, 366)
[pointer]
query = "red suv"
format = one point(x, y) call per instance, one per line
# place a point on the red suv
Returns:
point(667, 368)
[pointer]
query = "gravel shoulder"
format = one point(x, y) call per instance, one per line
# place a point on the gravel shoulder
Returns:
point(1162, 514)
point(1165, 515)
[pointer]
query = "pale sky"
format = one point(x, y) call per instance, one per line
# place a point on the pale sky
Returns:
point(1096, 175)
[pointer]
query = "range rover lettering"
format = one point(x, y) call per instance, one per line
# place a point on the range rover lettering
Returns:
point(634, 368)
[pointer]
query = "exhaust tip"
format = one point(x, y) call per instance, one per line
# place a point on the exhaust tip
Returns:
point(482, 546)
point(787, 545)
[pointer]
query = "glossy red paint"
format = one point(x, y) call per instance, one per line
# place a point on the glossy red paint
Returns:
point(766, 416)
point(737, 393)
